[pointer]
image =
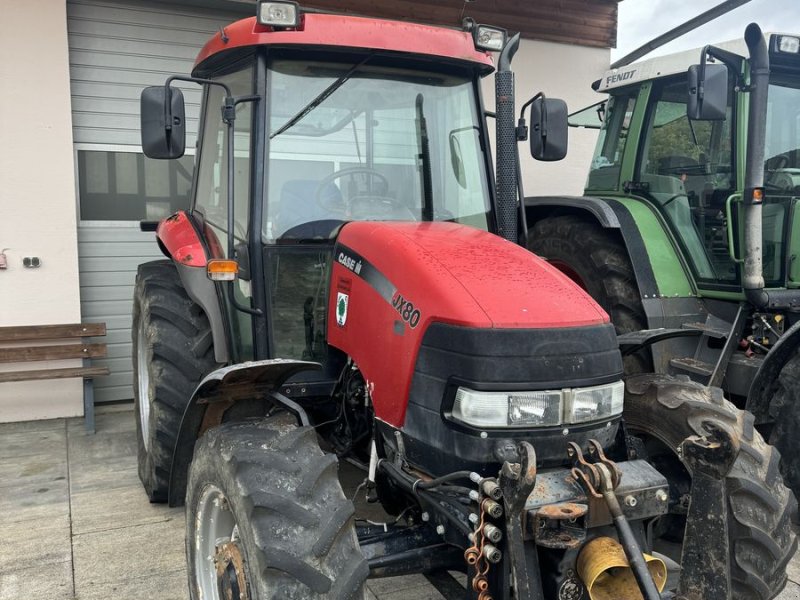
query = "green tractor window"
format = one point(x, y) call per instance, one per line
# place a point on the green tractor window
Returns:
point(613, 118)
point(687, 170)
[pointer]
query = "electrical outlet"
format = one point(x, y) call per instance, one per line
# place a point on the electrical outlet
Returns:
point(3, 259)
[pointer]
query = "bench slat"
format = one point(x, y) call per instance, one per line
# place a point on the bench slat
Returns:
point(84, 372)
point(30, 353)
point(51, 332)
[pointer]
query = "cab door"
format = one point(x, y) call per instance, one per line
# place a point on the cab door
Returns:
point(210, 207)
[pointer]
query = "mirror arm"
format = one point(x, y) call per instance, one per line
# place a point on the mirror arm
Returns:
point(522, 127)
point(729, 59)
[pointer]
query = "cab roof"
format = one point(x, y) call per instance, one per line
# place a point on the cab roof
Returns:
point(670, 64)
point(319, 30)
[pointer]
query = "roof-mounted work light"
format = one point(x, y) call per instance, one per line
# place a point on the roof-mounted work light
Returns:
point(279, 14)
point(787, 44)
point(489, 38)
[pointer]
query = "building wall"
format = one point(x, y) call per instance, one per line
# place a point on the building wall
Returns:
point(560, 71)
point(37, 196)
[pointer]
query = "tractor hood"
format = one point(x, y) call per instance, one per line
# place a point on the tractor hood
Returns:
point(460, 275)
point(390, 281)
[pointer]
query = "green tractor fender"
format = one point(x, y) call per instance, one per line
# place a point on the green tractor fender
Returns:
point(657, 264)
point(222, 390)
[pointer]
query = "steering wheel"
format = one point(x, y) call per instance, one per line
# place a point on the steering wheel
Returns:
point(380, 200)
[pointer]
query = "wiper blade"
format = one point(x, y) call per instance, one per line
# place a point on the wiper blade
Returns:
point(425, 157)
point(320, 98)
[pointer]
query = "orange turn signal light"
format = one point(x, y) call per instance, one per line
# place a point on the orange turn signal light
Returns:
point(222, 269)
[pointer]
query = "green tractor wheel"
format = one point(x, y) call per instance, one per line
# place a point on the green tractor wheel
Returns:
point(596, 259)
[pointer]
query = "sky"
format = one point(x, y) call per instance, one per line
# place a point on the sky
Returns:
point(642, 20)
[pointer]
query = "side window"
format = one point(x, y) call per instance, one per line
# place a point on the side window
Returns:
point(212, 181)
point(687, 170)
point(616, 116)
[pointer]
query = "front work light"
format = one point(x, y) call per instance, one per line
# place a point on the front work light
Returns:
point(788, 44)
point(541, 408)
point(279, 14)
point(489, 38)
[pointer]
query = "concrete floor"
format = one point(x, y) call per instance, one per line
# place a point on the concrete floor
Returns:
point(75, 522)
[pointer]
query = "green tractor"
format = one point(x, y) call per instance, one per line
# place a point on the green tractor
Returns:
point(689, 231)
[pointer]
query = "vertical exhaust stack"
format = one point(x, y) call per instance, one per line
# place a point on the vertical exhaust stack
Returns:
point(506, 155)
point(753, 275)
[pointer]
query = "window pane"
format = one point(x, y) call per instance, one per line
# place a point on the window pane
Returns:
point(127, 186)
point(616, 115)
point(688, 172)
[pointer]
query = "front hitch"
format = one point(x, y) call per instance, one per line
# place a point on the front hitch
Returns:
point(705, 561)
point(517, 481)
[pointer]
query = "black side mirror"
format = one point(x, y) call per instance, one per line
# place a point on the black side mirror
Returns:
point(549, 129)
point(708, 92)
point(163, 122)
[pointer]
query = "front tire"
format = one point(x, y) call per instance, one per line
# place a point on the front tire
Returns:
point(281, 526)
point(786, 430)
point(663, 411)
point(172, 351)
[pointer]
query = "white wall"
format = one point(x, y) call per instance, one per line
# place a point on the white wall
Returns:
point(560, 71)
point(37, 196)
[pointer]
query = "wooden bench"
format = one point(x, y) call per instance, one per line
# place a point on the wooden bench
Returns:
point(22, 344)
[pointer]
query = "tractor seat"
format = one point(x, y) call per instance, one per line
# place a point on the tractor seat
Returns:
point(301, 213)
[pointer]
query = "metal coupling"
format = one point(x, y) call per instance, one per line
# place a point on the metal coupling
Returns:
point(492, 533)
point(491, 507)
point(492, 554)
point(491, 489)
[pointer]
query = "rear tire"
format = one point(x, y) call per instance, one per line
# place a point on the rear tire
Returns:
point(294, 526)
point(597, 260)
point(663, 411)
point(172, 351)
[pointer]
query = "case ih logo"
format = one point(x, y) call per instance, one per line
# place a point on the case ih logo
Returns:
point(619, 77)
point(348, 262)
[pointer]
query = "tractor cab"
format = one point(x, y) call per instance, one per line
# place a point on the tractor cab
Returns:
point(331, 124)
point(692, 168)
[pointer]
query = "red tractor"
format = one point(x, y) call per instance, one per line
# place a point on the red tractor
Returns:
point(338, 290)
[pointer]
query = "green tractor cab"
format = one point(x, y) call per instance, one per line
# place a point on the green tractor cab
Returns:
point(689, 234)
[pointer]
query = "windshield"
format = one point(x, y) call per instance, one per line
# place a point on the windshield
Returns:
point(782, 150)
point(363, 142)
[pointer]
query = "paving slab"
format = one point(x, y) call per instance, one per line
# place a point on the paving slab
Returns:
point(790, 592)
point(17, 444)
point(38, 582)
point(41, 542)
point(33, 468)
point(35, 501)
point(128, 552)
point(169, 585)
point(124, 506)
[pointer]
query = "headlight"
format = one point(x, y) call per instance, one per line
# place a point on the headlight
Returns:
point(538, 408)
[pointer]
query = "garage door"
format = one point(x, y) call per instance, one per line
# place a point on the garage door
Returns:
point(116, 49)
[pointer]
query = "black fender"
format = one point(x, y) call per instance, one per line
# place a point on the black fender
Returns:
point(216, 393)
point(766, 380)
point(610, 214)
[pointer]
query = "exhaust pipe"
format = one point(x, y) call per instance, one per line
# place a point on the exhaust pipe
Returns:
point(607, 575)
point(506, 168)
point(753, 271)
point(753, 275)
